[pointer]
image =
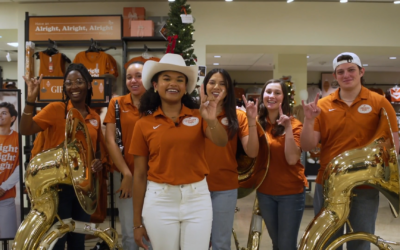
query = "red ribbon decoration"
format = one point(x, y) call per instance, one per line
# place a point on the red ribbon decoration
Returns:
point(171, 43)
point(184, 9)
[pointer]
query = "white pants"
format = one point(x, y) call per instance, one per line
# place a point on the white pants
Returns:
point(178, 217)
point(8, 219)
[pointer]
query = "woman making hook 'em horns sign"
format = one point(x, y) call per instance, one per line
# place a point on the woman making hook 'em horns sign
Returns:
point(172, 204)
point(223, 178)
point(281, 196)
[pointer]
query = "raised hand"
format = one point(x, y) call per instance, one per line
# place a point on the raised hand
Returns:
point(33, 85)
point(251, 108)
point(283, 120)
point(311, 110)
point(208, 106)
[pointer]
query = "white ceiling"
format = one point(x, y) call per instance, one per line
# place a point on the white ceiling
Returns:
point(8, 36)
point(315, 62)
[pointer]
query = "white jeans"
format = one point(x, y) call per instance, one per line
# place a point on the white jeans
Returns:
point(8, 218)
point(178, 217)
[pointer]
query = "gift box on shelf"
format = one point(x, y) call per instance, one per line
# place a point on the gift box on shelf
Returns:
point(159, 22)
point(142, 28)
point(130, 14)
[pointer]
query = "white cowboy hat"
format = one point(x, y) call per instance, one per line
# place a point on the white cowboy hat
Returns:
point(169, 62)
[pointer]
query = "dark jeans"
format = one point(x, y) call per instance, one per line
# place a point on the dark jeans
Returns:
point(69, 207)
point(282, 215)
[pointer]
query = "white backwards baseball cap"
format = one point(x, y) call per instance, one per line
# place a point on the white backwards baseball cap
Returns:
point(356, 60)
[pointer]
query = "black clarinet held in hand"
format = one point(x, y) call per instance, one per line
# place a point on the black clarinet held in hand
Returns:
point(118, 130)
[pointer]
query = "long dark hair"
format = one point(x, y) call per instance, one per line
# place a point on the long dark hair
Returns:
point(229, 102)
point(88, 79)
point(263, 111)
point(150, 100)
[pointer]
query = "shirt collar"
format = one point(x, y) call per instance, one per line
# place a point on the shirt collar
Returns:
point(363, 95)
point(184, 111)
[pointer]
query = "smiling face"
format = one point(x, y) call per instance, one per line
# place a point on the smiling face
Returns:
point(216, 86)
point(5, 118)
point(171, 86)
point(76, 87)
point(273, 96)
point(348, 75)
point(134, 79)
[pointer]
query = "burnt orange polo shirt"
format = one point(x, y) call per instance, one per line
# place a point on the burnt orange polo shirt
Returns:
point(57, 62)
point(128, 115)
point(222, 160)
point(97, 63)
point(175, 152)
point(343, 128)
point(282, 178)
point(9, 160)
point(52, 118)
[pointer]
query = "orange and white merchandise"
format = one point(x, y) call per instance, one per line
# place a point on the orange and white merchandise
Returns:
point(51, 65)
point(142, 28)
point(97, 63)
point(395, 94)
point(130, 14)
point(9, 156)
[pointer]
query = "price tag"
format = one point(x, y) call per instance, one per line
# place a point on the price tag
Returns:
point(187, 18)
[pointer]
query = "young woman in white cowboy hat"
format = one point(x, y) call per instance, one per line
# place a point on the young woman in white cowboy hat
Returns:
point(172, 204)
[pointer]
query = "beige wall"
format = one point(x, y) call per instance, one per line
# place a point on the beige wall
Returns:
point(9, 70)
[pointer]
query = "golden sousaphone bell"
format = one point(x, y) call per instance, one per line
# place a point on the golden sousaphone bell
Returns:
point(69, 163)
point(374, 165)
point(252, 172)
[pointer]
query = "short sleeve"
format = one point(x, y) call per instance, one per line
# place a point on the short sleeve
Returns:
point(391, 114)
point(110, 116)
point(139, 145)
point(243, 124)
point(297, 127)
point(45, 118)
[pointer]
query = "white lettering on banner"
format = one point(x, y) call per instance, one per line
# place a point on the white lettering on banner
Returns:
point(56, 89)
point(4, 166)
point(47, 28)
point(94, 72)
point(102, 28)
point(74, 28)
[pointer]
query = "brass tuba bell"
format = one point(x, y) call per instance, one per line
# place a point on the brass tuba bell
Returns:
point(252, 172)
point(374, 165)
point(69, 163)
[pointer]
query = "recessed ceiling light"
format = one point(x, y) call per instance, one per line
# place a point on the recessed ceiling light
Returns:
point(13, 44)
point(393, 58)
point(171, 0)
point(365, 65)
point(308, 56)
point(216, 64)
point(396, 2)
point(217, 56)
point(289, 1)
point(0, 36)
point(343, 1)
point(228, 0)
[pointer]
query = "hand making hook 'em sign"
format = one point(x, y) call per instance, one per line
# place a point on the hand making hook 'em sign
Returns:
point(251, 108)
point(283, 120)
point(208, 107)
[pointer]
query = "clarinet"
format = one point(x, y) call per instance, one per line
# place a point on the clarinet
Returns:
point(118, 130)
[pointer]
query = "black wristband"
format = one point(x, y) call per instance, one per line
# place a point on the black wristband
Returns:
point(30, 103)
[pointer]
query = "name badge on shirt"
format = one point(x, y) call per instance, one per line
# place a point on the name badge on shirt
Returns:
point(190, 121)
point(364, 109)
point(94, 122)
point(225, 121)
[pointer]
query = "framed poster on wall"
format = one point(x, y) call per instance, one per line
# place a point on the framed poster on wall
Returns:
point(328, 84)
point(10, 164)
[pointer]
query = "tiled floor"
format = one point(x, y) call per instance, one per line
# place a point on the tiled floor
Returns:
point(387, 226)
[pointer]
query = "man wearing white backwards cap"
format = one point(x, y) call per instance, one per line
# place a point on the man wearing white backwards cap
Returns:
point(344, 120)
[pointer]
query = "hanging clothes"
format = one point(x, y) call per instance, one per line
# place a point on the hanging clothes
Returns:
point(97, 63)
point(395, 94)
point(53, 65)
point(141, 59)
